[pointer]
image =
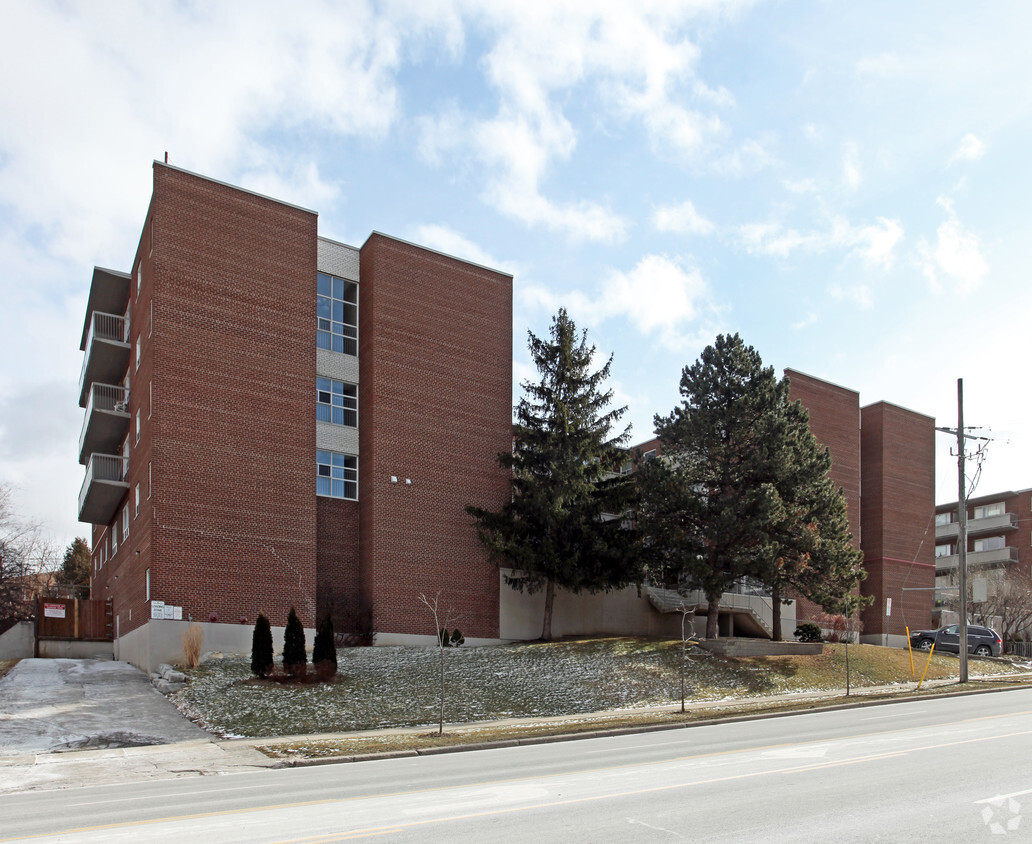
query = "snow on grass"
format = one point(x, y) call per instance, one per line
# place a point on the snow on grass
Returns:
point(384, 687)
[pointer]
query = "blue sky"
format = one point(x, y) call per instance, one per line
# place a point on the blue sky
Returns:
point(844, 184)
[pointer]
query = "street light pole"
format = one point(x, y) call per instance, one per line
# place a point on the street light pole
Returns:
point(962, 532)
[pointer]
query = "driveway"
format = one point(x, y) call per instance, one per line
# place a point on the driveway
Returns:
point(53, 705)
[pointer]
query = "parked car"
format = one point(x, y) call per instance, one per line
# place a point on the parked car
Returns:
point(982, 641)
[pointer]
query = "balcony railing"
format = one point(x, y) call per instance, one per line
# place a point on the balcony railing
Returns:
point(106, 422)
point(990, 524)
point(103, 488)
point(106, 352)
point(979, 559)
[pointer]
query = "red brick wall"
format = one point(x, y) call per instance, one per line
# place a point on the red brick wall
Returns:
point(835, 422)
point(232, 434)
point(337, 575)
point(435, 357)
point(898, 507)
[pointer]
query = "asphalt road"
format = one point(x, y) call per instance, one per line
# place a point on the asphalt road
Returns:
point(952, 769)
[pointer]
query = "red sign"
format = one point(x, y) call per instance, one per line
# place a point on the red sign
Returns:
point(54, 610)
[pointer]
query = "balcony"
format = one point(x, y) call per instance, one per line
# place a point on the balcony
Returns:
point(979, 559)
point(106, 422)
point(991, 524)
point(107, 352)
point(103, 489)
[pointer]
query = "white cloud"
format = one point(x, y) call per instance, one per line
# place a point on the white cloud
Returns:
point(874, 243)
point(806, 321)
point(632, 61)
point(956, 254)
point(450, 242)
point(660, 296)
point(851, 174)
point(682, 218)
point(971, 148)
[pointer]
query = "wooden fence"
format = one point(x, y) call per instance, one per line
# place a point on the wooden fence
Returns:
point(72, 618)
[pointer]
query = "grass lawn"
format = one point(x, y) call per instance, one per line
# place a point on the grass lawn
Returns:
point(399, 687)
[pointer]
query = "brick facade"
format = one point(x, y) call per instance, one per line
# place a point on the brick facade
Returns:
point(897, 507)
point(222, 306)
point(436, 392)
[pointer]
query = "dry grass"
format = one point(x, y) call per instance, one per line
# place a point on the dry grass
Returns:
point(6, 665)
point(193, 639)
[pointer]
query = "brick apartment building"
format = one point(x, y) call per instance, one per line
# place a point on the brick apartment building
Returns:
point(883, 459)
point(274, 419)
point(999, 539)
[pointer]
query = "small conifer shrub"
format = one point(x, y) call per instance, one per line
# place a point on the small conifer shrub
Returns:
point(295, 660)
point(261, 647)
point(324, 651)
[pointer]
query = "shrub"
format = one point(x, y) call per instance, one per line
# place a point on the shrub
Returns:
point(261, 647)
point(295, 660)
point(324, 651)
point(452, 639)
point(193, 637)
point(808, 632)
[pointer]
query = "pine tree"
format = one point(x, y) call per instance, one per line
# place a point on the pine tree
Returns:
point(743, 491)
point(261, 647)
point(564, 525)
point(295, 659)
point(324, 650)
point(809, 548)
point(706, 505)
point(75, 567)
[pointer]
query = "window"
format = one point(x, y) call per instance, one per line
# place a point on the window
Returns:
point(944, 518)
point(990, 543)
point(138, 343)
point(649, 455)
point(137, 501)
point(987, 510)
point(114, 538)
point(125, 524)
point(944, 550)
point(150, 399)
point(336, 475)
point(139, 278)
point(336, 402)
point(150, 479)
point(138, 427)
point(148, 586)
point(337, 312)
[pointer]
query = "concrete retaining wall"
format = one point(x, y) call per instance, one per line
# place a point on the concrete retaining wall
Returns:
point(760, 647)
point(18, 642)
point(75, 649)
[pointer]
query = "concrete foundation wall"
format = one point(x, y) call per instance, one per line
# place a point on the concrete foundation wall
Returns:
point(159, 642)
point(18, 642)
point(621, 613)
point(73, 649)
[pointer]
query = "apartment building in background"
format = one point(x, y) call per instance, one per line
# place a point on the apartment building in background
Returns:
point(999, 540)
point(275, 419)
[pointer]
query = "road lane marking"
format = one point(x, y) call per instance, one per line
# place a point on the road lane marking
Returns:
point(816, 766)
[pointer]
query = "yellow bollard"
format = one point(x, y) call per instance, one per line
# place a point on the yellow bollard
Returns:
point(911, 649)
point(926, 666)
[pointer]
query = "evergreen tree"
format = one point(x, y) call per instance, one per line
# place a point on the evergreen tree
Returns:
point(295, 659)
point(261, 647)
point(706, 505)
point(743, 491)
point(324, 649)
point(564, 525)
point(75, 567)
point(810, 549)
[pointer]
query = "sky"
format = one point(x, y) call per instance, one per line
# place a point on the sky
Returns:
point(845, 185)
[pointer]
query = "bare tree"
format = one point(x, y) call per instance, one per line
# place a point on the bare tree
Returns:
point(443, 619)
point(1009, 599)
point(25, 554)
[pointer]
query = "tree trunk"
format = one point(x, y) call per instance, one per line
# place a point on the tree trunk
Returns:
point(546, 626)
point(775, 620)
point(712, 617)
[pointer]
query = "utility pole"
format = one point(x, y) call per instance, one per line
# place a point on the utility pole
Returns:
point(962, 526)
